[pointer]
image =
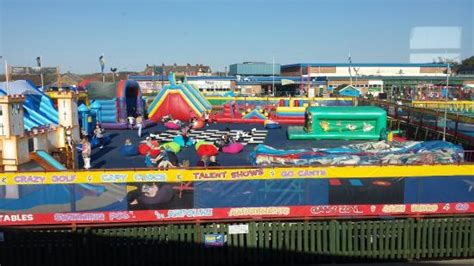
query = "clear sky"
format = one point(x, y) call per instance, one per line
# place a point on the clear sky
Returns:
point(131, 34)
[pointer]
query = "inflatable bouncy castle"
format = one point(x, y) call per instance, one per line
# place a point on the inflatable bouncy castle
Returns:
point(117, 101)
point(181, 101)
point(342, 123)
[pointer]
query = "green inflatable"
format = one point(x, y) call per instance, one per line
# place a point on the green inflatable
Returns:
point(172, 146)
point(342, 123)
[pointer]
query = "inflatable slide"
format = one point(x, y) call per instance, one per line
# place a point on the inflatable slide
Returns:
point(181, 101)
point(46, 161)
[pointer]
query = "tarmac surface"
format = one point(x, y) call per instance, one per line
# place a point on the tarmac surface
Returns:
point(110, 158)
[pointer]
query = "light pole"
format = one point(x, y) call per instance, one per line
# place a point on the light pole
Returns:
point(273, 76)
point(401, 83)
point(6, 75)
point(102, 66)
point(162, 75)
point(356, 70)
point(113, 70)
point(350, 65)
point(446, 102)
point(40, 65)
point(154, 78)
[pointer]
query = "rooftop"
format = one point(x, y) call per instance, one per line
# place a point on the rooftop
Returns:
point(364, 65)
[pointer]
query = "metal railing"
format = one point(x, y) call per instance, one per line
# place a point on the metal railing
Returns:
point(428, 119)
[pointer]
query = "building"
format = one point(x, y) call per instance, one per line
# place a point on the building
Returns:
point(363, 69)
point(418, 80)
point(178, 70)
point(32, 74)
point(213, 85)
point(68, 80)
point(150, 84)
point(254, 69)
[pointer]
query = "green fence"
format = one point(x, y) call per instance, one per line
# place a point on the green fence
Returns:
point(265, 242)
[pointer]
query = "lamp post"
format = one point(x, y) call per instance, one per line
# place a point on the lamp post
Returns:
point(356, 70)
point(113, 70)
point(40, 65)
point(273, 76)
point(162, 75)
point(6, 75)
point(350, 65)
point(102, 66)
point(154, 78)
point(446, 102)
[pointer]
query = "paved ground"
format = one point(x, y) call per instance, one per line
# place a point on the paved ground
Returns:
point(109, 156)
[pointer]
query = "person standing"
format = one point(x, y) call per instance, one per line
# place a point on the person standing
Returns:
point(139, 125)
point(99, 135)
point(131, 121)
point(86, 153)
point(206, 118)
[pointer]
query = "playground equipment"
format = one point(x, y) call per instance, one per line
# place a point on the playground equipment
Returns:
point(113, 102)
point(172, 125)
point(257, 113)
point(38, 107)
point(349, 123)
point(30, 122)
point(269, 124)
point(81, 95)
point(233, 148)
point(181, 101)
point(283, 110)
point(290, 114)
point(128, 150)
point(46, 161)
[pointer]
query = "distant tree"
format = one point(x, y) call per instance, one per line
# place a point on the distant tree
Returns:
point(466, 66)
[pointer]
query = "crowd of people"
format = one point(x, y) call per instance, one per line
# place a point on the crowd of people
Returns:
point(166, 158)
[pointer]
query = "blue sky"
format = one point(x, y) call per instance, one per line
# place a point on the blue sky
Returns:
point(131, 34)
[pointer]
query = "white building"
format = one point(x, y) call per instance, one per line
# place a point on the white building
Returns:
point(365, 69)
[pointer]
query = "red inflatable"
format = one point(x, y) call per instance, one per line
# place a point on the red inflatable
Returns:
point(199, 124)
point(143, 149)
point(207, 149)
point(174, 104)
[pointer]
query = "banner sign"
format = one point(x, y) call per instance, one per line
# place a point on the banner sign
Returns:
point(228, 174)
point(214, 240)
point(32, 70)
point(317, 211)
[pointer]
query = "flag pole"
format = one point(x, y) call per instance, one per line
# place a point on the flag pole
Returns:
point(40, 64)
point(6, 76)
point(273, 76)
point(350, 66)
